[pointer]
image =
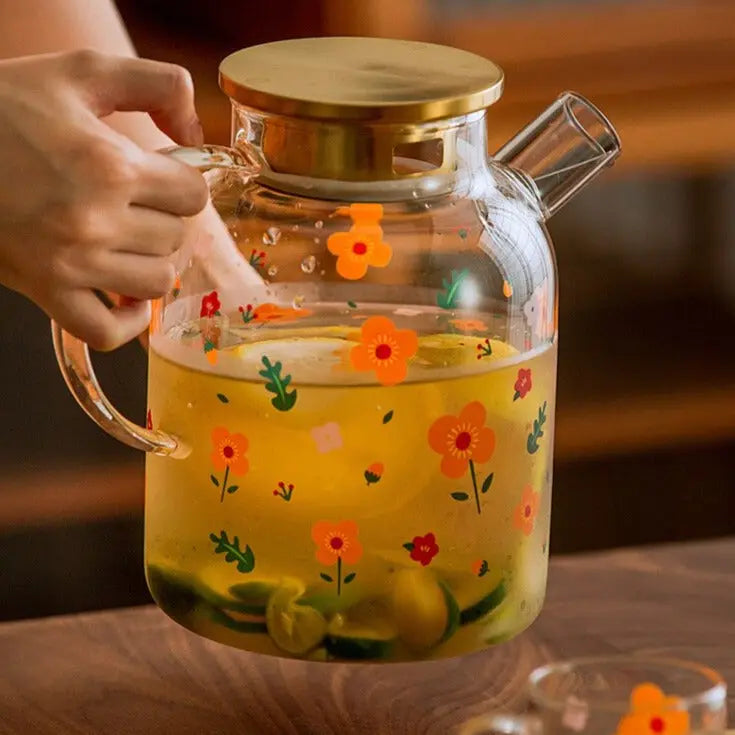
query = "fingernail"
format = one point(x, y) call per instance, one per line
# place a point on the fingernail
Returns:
point(128, 301)
point(196, 132)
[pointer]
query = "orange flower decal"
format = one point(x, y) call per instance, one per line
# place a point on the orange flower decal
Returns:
point(374, 472)
point(525, 512)
point(463, 440)
point(337, 542)
point(384, 349)
point(228, 454)
point(272, 313)
point(469, 325)
point(653, 713)
point(362, 245)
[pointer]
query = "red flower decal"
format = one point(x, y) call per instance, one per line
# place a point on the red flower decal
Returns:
point(210, 305)
point(149, 421)
point(423, 548)
point(523, 383)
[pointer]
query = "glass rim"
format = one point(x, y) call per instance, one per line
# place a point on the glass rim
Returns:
point(716, 691)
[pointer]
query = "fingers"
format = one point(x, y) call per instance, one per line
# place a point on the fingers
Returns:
point(148, 232)
point(169, 185)
point(121, 83)
point(82, 314)
point(137, 276)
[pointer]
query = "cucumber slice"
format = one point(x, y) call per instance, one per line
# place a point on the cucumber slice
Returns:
point(233, 622)
point(424, 610)
point(366, 631)
point(294, 628)
point(254, 595)
point(485, 605)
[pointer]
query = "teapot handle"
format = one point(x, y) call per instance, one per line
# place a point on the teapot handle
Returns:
point(72, 353)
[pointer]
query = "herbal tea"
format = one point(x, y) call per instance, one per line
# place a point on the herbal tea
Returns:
point(378, 492)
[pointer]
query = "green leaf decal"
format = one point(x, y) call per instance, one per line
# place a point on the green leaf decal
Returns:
point(223, 398)
point(532, 441)
point(214, 480)
point(388, 417)
point(487, 483)
point(447, 299)
point(350, 577)
point(460, 496)
point(233, 489)
point(283, 400)
point(352, 304)
point(408, 546)
point(244, 558)
point(326, 577)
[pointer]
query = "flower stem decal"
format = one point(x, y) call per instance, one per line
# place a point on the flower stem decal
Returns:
point(447, 299)
point(244, 558)
point(423, 548)
point(538, 432)
point(337, 542)
point(374, 473)
point(228, 454)
point(284, 491)
point(283, 400)
point(247, 313)
point(484, 349)
point(257, 259)
point(523, 383)
point(463, 440)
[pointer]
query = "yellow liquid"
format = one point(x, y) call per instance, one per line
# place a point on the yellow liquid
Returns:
point(348, 450)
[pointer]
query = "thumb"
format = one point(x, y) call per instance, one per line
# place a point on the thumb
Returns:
point(124, 84)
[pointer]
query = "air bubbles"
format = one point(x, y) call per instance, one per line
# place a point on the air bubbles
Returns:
point(273, 271)
point(308, 264)
point(318, 224)
point(271, 236)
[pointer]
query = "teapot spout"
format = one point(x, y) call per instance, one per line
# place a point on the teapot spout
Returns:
point(562, 150)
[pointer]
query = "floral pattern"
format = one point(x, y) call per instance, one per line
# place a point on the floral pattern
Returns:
point(362, 246)
point(210, 305)
point(463, 440)
point(374, 473)
point(484, 349)
point(653, 713)
point(284, 491)
point(327, 437)
point(337, 543)
point(266, 313)
point(480, 567)
point(423, 548)
point(149, 420)
point(526, 511)
point(523, 383)
point(384, 349)
point(229, 453)
point(469, 325)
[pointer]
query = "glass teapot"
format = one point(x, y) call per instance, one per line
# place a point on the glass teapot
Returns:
point(352, 384)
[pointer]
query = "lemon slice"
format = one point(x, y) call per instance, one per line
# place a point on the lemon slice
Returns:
point(424, 611)
point(294, 628)
point(366, 631)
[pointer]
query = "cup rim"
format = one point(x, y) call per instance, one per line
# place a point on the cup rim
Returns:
point(715, 692)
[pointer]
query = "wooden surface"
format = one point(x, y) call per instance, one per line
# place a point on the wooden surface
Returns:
point(134, 671)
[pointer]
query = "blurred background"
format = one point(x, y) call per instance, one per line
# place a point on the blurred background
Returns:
point(645, 446)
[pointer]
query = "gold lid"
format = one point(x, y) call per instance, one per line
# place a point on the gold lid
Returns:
point(360, 79)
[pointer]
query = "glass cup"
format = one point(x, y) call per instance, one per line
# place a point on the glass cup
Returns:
point(622, 695)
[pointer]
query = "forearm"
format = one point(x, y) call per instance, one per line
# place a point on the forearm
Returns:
point(73, 24)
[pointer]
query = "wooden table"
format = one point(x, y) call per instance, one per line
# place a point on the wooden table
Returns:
point(134, 671)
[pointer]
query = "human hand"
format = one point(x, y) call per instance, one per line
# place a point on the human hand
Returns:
point(82, 208)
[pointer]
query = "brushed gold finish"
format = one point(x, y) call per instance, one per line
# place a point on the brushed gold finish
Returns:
point(360, 79)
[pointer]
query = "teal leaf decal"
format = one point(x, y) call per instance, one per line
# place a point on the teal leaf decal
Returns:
point(388, 417)
point(538, 432)
point(233, 489)
point(352, 304)
point(214, 480)
point(408, 546)
point(447, 298)
point(487, 483)
point(349, 577)
point(460, 496)
point(244, 558)
point(326, 577)
point(223, 398)
point(283, 400)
